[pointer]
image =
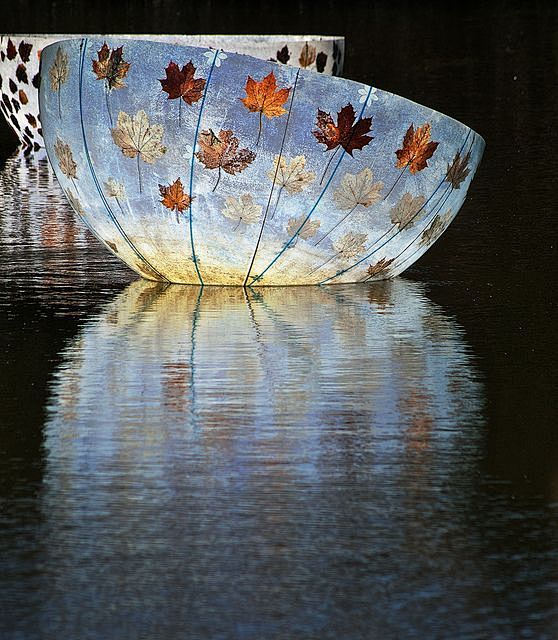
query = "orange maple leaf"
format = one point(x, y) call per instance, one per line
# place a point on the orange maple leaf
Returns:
point(417, 149)
point(174, 197)
point(264, 98)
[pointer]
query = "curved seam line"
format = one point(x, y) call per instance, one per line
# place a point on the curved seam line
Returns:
point(192, 164)
point(274, 181)
point(316, 203)
point(339, 273)
point(93, 175)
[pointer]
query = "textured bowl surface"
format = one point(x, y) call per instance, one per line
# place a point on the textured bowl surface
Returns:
point(199, 166)
point(20, 55)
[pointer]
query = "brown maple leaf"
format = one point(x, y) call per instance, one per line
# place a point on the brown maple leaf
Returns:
point(346, 134)
point(111, 67)
point(437, 226)
point(11, 51)
point(417, 149)
point(58, 73)
point(321, 61)
point(180, 83)
point(222, 152)
point(174, 197)
point(264, 98)
point(458, 170)
point(379, 268)
point(283, 55)
point(24, 50)
point(307, 55)
point(65, 158)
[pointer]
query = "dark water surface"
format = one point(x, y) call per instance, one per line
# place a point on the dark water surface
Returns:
point(347, 462)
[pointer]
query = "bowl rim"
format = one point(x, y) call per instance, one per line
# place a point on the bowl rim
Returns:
point(269, 37)
point(332, 79)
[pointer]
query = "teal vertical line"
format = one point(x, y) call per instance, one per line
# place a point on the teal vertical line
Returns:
point(274, 180)
point(94, 176)
point(194, 258)
point(295, 234)
point(368, 255)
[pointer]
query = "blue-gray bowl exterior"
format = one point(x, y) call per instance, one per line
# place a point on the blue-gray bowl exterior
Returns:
point(20, 55)
point(261, 174)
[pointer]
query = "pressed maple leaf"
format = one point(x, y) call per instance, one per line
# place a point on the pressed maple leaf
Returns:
point(355, 190)
point(24, 49)
point(242, 209)
point(458, 170)
point(283, 55)
point(350, 245)
point(358, 189)
point(417, 149)
point(65, 159)
point(181, 84)
point(346, 134)
point(174, 197)
point(321, 61)
point(138, 139)
point(435, 228)
point(76, 204)
point(290, 175)
point(111, 67)
point(21, 73)
point(222, 152)
point(58, 74)
point(379, 268)
point(308, 229)
point(115, 190)
point(307, 55)
point(407, 209)
point(11, 51)
point(264, 98)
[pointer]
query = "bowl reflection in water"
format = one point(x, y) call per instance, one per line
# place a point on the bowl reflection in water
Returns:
point(268, 455)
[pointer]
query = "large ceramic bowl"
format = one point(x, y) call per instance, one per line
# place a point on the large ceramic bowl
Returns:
point(198, 166)
point(20, 54)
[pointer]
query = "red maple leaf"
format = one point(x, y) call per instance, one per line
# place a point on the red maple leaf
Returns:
point(180, 83)
point(346, 133)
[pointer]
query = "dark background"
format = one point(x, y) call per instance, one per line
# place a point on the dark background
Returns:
point(492, 66)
